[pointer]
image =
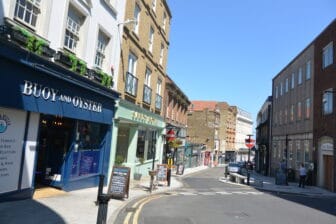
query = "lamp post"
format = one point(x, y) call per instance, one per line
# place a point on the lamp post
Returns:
point(249, 144)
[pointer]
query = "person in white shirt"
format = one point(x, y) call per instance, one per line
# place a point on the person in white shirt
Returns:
point(303, 174)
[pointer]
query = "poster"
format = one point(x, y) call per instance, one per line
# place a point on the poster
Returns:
point(12, 127)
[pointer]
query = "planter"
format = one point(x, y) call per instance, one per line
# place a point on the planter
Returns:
point(137, 176)
point(19, 37)
point(95, 76)
point(63, 59)
point(47, 51)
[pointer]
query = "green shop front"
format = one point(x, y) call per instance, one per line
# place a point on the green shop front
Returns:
point(138, 138)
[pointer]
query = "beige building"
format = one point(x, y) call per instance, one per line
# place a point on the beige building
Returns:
point(140, 128)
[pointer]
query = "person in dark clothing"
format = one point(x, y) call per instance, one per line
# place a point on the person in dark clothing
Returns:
point(303, 174)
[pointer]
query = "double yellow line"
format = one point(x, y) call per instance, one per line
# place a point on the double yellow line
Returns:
point(138, 205)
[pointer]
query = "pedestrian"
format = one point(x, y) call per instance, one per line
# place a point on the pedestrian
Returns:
point(303, 174)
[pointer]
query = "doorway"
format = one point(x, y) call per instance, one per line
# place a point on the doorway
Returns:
point(55, 137)
point(328, 172)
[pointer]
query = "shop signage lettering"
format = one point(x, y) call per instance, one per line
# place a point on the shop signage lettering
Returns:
point(143, 118)
point(53, 95)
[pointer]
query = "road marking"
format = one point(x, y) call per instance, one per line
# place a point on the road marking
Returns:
point(136, 214)
point(129, 214)
point(210, 193)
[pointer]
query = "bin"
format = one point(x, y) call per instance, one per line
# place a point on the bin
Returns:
point(291, 175)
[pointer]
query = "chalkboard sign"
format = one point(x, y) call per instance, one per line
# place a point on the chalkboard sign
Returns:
point(180, 169)
point(119, 182)
point(161, 175)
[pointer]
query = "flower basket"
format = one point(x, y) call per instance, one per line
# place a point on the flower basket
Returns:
point(63, 59)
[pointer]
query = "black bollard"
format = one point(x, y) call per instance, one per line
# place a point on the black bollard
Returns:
point(168, 176)
point(102, 202)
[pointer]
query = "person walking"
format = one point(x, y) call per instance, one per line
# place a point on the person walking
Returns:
point(303, 174)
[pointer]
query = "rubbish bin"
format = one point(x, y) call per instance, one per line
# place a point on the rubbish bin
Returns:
point(291, 175)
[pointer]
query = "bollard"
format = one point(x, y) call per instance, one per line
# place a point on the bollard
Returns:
point(102, 202)
point(168, 176)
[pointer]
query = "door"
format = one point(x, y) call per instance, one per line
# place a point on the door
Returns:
point(54, 140)
point(328, 172)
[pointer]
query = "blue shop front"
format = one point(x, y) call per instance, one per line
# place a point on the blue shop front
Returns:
point(55, 126)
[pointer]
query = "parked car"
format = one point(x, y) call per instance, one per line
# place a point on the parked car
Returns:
point(235, 168)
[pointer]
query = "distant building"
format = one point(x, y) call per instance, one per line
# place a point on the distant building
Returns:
point(244, 125)
point(263, 137)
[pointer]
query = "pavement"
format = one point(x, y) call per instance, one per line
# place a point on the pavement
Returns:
point(267, 183)
point(78, 207)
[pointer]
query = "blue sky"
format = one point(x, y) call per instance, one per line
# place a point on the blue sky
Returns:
point(229, 50)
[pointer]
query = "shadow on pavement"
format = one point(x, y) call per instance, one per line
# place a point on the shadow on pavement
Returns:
point(29, 212)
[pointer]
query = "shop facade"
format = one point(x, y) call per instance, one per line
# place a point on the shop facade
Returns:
point(138, 138)
point(55, 126)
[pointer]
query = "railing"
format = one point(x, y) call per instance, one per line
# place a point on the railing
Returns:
point(158, 102)
point(147, 94)
point(131, 85)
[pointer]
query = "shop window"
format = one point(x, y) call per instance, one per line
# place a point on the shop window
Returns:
point(151, 144)
point(146, 144)
point(90, 135)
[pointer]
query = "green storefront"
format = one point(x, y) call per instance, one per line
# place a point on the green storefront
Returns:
point(138, 137)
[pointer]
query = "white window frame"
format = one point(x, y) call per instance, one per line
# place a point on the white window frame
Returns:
point(151, 39)
point(327, 102)
point(102, 42)
point(164, 21)
point(137, 11)
point(286, 86)
point(25, 14)
point(132, 63)
point(159, 86)
point(148, 76)
point(72, 29)
point(327, 55)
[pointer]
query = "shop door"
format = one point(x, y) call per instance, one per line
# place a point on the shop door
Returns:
point(328, 172)
point(54, 141)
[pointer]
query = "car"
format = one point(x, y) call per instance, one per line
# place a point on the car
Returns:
point(234, 168)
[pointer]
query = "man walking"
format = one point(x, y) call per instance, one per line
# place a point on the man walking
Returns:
point(303, 174)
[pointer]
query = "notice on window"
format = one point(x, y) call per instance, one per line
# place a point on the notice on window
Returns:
point(161, 175)
point(12, 126)
point(119, 182)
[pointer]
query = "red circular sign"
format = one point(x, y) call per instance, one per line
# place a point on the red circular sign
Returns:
point(249, 143)
point(171, 135)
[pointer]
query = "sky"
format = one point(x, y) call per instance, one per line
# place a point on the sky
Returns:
point(230, 50)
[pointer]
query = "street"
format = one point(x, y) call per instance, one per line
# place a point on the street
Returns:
point(204, 199)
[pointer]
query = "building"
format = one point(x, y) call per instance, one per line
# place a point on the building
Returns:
point(176, 108)
point(292, 125)
point(139, 130)
point(324, 108)
point(56, 119)
point(263, 137)
point(203, 127)
point(243, 129)
point(227, 130)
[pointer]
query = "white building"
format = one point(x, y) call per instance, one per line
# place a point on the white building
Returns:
point(244, 125)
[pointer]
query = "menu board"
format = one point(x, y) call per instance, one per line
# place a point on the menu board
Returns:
point(119, 182)
point(161, 172)
point(180, 169)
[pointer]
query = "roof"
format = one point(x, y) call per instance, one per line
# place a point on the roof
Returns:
point(202, 105)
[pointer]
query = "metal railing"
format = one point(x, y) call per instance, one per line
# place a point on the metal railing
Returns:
point(131, 84)
point(147, 94)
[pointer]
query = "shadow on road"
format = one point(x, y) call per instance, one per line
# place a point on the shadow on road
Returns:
point(29, 212)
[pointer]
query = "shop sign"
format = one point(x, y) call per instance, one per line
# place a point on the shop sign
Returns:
point(136, 116)
point(53, 95)
point(327, 147)
point(12, 126)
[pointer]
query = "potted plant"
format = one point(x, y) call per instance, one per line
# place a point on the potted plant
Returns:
point(119, 160)
point(137, 174)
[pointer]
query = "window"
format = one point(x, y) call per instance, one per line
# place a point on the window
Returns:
point(27, 10)
point(292, 113)
point(308, 108)
point(161, 54)
point(151, 39)
point(100, 49)
point(72, 29)
point(327, 102)
point(293, 81)
point(286, 86)
point(286, 116)
point(158, 86)
point(164, 21)
point(327, 55)
point(146, 143)
point(276, 91)
point(299, 111)
point(308, 70)
point(306, 151)
point(147, 90)
point(153, 5)
point(298, 152)
point(300, 76)
point(158, 99)
point(136, 18)
point(131, 80)
point(281, 89)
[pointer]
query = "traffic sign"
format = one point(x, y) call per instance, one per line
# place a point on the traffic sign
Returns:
point(170, 135)
point(249, 142)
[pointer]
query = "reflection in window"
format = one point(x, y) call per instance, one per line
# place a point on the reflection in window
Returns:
point(90, 135)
